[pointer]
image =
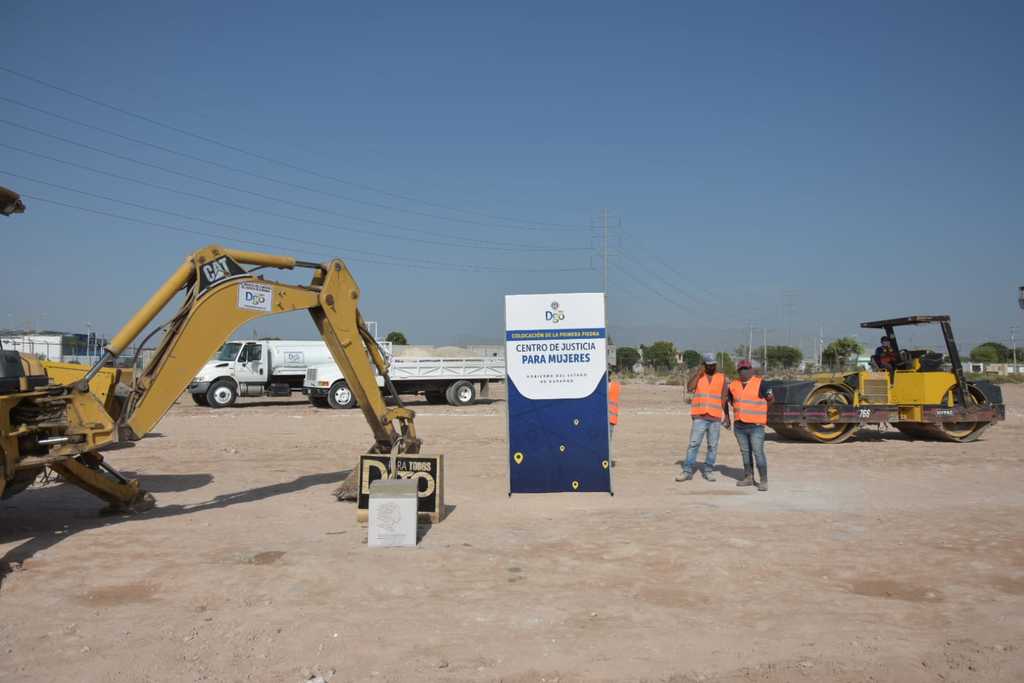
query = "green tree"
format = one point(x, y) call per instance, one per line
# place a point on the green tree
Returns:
point(992, 352)
point(396, 338)
point(989, 352)
point(726, 363)
point(784, 356)
point(839, 351)
point(741, 352)
point(691, 358)
point(626, 357)
point(661, 355)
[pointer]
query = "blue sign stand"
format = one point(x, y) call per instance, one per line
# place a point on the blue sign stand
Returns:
point(556, 363)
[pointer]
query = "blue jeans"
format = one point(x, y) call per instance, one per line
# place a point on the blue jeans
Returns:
point(700, 427)
point(751, 440)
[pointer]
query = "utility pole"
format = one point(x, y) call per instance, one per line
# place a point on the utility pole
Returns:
point(1013, 345)
point(750, 340)
point(821, 343)
point(604, 249)
point(764, 346)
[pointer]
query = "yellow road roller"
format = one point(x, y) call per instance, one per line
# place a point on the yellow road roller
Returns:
point(919, 392)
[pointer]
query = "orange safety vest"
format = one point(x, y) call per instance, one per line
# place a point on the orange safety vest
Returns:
point(613, 402)
point(707, 400)
point(746, 403)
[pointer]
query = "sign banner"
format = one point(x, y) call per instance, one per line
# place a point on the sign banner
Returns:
point(557, 368)
point(426, 470)
point(255, 297)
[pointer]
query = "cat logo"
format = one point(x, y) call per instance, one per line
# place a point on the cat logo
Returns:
point(218, 270)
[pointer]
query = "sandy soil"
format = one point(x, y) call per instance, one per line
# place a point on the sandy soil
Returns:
point(880, 559)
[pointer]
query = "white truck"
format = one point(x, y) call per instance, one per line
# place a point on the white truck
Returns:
point(256, 368)
point(456, 381)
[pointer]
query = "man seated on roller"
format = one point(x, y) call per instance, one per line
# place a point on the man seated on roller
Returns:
point(885, 357)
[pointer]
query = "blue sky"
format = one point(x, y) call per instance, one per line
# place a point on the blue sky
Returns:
point(786, 165)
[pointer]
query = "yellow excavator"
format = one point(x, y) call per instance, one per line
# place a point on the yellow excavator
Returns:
point(65, 421)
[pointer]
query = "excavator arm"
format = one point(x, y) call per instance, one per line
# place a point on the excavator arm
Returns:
point(219, 295)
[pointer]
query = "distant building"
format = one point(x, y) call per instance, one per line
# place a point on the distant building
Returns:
point(994, 368)
point(55, 346)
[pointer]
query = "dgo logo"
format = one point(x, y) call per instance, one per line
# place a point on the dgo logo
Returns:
point(255, 297)
point(556, 314)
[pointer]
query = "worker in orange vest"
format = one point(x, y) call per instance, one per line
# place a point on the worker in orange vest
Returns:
point(614, 388)
point(750, 399)
point(708, 412)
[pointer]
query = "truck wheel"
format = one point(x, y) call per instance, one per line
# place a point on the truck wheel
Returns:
point(221, 394)
point(462, 393)
point(340, 396)
point(436, 397)
point(200, 400)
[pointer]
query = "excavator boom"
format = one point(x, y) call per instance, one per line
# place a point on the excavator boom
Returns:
point(219, 296)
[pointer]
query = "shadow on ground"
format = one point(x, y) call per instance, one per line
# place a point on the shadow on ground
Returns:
point(423, 529)
point(264, 404)
point(49, 514)
point(421, 401)
point(867, 435)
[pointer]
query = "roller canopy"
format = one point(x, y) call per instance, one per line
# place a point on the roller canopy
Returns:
point(909, 320)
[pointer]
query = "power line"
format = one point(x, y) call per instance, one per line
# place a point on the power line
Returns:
point(708, 312)
point(484, 244)
point(227, 167)
point(370, 188)
point(214, 200)
point(286, 248)
point(653, 254)
point(227, 225)
point(672, 285)
point(653, 289)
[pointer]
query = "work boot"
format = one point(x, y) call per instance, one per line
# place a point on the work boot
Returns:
point(709, 475)
point(762, 485)
point(748, 477)
point(685, 476)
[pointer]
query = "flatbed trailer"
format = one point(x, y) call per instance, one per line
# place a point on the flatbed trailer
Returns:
point(456, 381)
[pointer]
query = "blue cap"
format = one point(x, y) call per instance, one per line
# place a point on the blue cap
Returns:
point(709, 359)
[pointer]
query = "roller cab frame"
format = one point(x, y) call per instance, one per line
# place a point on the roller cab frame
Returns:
point(65, 425)
point(918, 397)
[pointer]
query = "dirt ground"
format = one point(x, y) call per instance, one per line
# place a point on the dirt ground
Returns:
point(880, 559)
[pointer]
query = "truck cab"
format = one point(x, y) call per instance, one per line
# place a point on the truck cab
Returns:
point(255, 368)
